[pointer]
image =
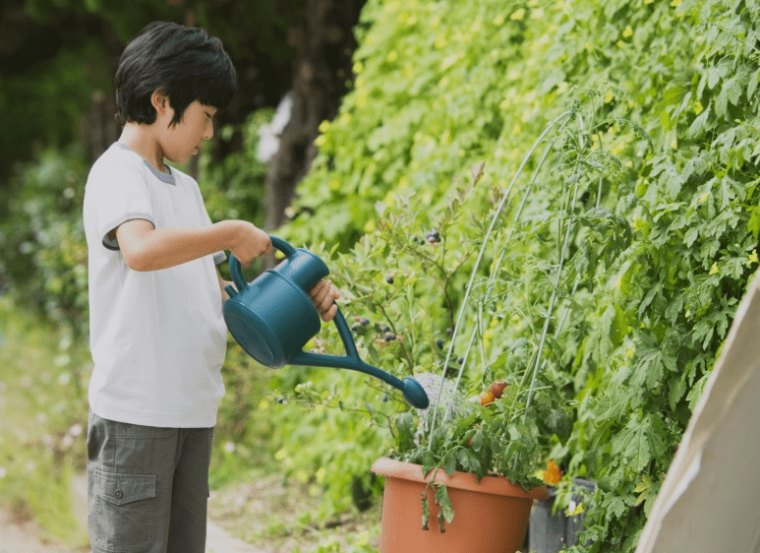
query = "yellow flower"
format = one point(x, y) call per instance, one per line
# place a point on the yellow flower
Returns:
point(628, 32)
point(698, 108)
point(752, 258)
point(518, 15)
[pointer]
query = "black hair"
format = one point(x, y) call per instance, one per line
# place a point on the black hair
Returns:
point(185, 63)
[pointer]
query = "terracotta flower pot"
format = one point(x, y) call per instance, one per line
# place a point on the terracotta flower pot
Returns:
point(490, 516)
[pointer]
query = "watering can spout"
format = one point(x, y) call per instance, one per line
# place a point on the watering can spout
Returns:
point(412, 390)
point(272, 318)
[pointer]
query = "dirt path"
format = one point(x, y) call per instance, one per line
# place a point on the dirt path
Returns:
point(23, 537)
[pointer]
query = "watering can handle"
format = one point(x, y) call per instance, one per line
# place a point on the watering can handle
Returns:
point(281, 245)
point(236, 271)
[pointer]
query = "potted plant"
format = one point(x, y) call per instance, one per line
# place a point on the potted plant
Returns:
point(494, 416)
point(467, 484)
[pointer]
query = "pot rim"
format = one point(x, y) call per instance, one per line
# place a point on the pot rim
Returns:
point(494, 485)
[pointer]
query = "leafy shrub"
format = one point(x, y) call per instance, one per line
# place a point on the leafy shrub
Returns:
point(43, 253)
point(666, 257)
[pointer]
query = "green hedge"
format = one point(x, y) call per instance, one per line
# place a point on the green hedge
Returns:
point(664, 133)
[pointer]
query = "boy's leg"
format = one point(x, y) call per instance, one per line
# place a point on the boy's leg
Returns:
point(187, 527)
point(130, 472)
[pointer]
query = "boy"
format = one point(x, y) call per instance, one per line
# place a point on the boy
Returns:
point(157, 333)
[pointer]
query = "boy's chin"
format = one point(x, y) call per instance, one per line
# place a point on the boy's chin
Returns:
point(180, 159)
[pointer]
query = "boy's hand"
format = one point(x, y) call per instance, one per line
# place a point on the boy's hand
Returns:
point(323, 294)
point(250, 242)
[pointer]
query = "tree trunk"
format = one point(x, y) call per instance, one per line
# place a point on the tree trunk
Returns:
point(100, 129)
point(324, 44)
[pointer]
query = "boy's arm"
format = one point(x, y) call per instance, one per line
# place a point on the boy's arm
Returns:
point(145, 248)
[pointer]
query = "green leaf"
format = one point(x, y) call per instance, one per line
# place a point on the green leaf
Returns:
point(700, 123)
point(478, 439)
point(691, 236)
point(754, 221)
point(442, 499)
point(450, 463)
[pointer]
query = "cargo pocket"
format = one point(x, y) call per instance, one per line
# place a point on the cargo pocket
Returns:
point(122, 518)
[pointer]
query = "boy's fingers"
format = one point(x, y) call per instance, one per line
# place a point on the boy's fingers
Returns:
point(318, 291)
point(329, 315)
point(322, 290)
point(323, 295)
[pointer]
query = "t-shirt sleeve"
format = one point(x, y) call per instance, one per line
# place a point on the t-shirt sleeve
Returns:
point(120, 196)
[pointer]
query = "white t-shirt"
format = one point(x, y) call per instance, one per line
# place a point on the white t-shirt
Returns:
point(158, 338)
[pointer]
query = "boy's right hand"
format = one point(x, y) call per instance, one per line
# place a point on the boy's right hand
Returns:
point(249, 242)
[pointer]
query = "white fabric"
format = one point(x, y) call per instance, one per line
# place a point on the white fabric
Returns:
point(710, 500)
point(158, 338)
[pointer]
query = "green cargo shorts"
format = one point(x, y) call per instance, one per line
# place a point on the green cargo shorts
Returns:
point(147, 487)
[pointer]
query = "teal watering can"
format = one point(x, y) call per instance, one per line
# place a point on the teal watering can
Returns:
point(272, 318)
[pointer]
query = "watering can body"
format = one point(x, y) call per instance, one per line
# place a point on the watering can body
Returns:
point(272, 319)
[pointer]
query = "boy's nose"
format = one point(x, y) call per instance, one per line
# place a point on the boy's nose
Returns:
point(208, 134)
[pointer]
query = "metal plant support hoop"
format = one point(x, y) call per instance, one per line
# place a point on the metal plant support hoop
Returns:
point(563, 118)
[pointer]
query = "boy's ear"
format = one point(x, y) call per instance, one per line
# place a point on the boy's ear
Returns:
point(159, 101)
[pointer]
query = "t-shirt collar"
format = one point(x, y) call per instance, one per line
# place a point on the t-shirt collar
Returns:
point(168, 178)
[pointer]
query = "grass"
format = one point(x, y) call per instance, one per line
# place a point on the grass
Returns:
point(43, 414)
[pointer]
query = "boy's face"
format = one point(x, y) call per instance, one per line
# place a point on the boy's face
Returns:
point(184, 139)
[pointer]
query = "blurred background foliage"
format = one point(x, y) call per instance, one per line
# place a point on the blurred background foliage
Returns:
point(661, 143)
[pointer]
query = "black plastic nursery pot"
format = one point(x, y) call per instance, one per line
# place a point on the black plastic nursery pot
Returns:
point(550, 533)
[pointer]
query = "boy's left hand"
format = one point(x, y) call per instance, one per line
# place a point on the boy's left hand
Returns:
point(323, 295)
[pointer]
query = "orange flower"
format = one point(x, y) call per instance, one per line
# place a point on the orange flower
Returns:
point(487, 398)
point(497, 388)
point(552, 474)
